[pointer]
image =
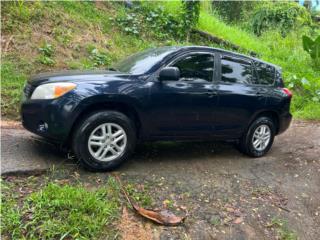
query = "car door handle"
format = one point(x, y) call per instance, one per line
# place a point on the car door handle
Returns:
point(211, 93)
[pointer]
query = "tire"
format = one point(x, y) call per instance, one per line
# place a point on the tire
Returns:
point(249, 143)
point(96, 128)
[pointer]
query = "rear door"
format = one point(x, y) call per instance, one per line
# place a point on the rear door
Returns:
point(240, 95)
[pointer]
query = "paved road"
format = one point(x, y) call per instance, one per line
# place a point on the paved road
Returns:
point(24, 152)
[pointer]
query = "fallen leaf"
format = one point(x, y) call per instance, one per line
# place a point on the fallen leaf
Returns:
point(163, 217)
point(238, 220)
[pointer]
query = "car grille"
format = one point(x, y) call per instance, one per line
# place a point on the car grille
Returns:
point(28, 90)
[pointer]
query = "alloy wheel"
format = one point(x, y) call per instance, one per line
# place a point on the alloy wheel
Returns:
point(107, 142)
point(261, 137)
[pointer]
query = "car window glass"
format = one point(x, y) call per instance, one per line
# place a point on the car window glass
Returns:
point(236, 71)
point(142, 62)
point(196, 68)
point(266, 73)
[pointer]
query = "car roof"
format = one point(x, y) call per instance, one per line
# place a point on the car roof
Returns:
point(186, 48)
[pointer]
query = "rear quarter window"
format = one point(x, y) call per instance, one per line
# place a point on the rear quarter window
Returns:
point(266, 73)
point(237, 70)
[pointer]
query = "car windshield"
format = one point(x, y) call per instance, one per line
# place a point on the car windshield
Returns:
point(142, 62)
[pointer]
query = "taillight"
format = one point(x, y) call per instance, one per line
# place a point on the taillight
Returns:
point(287, 92)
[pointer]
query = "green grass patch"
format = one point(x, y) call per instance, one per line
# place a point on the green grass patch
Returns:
point(283, 230)
point(62, 212)
point(10, 212)
point(12, 81)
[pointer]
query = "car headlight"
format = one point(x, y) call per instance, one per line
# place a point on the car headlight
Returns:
point(52, 90)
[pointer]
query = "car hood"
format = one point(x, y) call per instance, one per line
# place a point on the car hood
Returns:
point(76, 76)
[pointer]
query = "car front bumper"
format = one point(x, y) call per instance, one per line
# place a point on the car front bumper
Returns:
point(50, 119)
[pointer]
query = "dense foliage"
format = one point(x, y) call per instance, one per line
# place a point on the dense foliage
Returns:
point(141, 17)
point(283, 16)
point(191, 13)
point(87, 35)
point(233, 11)
point(313, 48)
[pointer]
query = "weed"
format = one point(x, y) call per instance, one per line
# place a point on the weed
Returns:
point(139, 195)
point(99, 58)
point(47, 52)
point(215, 221)
point(282, 228)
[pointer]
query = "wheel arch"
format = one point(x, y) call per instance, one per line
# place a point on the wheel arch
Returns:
point(122, 107)
point(268, 113)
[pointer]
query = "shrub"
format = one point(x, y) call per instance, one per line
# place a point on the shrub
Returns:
point(140, 18)
point(144, 17)
point(283, 16)
point(233, 11)
point(99, 58)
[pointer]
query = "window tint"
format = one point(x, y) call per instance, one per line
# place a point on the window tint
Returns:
point(236, 70)
point(197, 67)
point(266, 73)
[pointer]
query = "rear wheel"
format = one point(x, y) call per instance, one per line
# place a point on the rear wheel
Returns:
point(258, 139)
point(104, 140)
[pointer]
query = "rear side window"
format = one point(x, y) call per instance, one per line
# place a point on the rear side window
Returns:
point(196, 67)
point(266, 73)
point(236, 70)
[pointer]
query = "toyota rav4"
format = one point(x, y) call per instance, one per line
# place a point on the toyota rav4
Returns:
point(168, 93)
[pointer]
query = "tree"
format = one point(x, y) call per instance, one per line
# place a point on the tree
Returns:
point(191, 12)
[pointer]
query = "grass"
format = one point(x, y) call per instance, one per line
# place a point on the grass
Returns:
point(12, 81)
point(74, 29)
point(10, 213)
point(61, 205)
point(141, 195)
point(61, 212)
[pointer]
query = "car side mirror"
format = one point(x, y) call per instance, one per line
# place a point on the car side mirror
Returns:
point(169, 74)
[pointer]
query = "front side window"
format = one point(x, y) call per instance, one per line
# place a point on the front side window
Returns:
point(266, 73)
point(196, 68)
point(236, 70)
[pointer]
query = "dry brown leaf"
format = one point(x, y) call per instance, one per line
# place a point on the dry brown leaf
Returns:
point(163, 217)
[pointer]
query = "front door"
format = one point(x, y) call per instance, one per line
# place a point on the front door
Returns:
point(183, 108)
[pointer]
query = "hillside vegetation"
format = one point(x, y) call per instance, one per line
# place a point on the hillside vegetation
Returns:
point(47, 36)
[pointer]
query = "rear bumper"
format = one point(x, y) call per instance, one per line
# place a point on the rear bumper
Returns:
point(284, 122)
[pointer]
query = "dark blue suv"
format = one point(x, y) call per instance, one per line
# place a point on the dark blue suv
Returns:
point(168, 93)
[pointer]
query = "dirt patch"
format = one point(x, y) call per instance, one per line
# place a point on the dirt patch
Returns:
point(131, 227)
point(10, 124)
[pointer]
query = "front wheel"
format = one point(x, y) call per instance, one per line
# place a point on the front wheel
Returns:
point(258, 139)
point(104, 140)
